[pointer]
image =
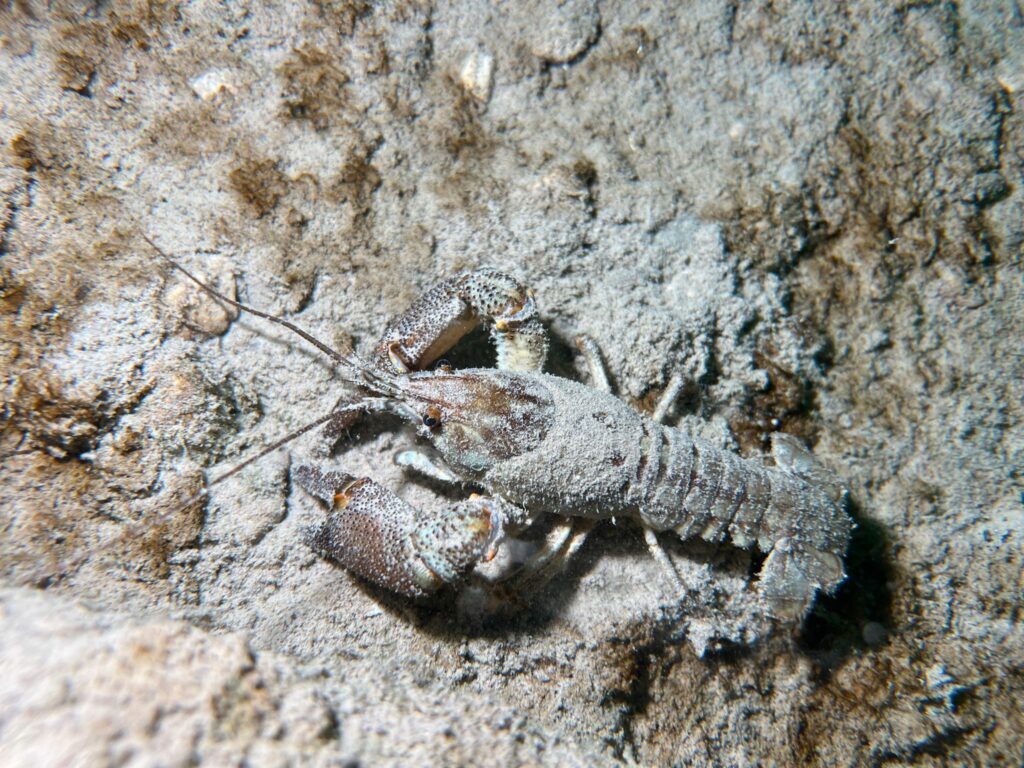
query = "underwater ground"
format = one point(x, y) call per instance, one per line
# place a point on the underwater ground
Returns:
point(814, 212)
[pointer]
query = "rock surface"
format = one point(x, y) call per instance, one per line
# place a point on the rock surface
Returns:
point(815, 214)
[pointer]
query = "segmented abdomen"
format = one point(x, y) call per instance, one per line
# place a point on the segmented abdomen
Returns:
point(688, 485)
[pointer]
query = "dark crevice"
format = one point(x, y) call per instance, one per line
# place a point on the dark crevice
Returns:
point(860, 613)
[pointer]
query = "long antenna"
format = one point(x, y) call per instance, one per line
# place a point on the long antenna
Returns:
point(333, 354)
point(256, 457)
point(270, 449)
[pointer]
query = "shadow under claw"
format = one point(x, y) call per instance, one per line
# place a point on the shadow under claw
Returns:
point(859, 614)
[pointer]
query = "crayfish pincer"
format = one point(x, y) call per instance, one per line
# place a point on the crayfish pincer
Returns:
point(533, 444)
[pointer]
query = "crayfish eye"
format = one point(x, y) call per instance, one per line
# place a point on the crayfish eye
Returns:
point(432, 418)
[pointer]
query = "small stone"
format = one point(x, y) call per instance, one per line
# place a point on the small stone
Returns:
point(567, 30)
point(209, 85)
point(874, 634)
point(937, 677)
point(199, 310)
point(475, 75)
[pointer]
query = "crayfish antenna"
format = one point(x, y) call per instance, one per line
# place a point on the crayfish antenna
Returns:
point(366, 404)
point(253, 459)
point(356, 371)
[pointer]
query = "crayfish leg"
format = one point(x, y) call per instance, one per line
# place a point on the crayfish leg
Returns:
point(595, 365)
point(419, 462)
point(562, 542)
point(659, 554)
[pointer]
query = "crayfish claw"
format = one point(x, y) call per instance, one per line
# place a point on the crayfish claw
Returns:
point(440, 317)
point(374, 534)
point(322, 485)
